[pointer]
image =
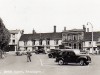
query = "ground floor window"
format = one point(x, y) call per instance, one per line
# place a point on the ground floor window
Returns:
point(80, 46)
point(94, 48)
point(48, 47)
point(26, 48)
point(74, 46)
point(70, 45)
point(88, 48)
point(56, 47)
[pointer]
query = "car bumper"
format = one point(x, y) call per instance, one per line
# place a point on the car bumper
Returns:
point(89, 61)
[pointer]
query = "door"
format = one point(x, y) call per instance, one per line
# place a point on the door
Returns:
point(65, 56)
point(71, 57)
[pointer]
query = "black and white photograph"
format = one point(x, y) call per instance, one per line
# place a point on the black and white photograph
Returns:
point(49, 37)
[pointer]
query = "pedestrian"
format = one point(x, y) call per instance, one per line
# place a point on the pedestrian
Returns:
point(29, 56)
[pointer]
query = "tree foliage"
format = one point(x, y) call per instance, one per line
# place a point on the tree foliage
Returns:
point(4, 35)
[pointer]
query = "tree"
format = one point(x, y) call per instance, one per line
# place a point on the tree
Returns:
point(4, 35)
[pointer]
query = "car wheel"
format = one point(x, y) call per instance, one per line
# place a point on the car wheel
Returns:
point(54, 56)
point(81, 62)
point(86, 63)
point(50, 56)
point(60, 62)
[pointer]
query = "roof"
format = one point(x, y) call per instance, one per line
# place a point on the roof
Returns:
point(14, 31)
point(74, 30)
point(77, 30)
point(88, 36)
point(38, 36)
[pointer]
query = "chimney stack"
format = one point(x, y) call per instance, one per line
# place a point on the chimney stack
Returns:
point(84, 28)
point(64, 28)
point(54, 29)
point(34, 31)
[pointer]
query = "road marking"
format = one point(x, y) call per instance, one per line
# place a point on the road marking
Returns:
point(46, 65)
point(41, 62)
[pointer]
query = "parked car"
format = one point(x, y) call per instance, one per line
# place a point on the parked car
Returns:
point(53, 53)
point(38, 51)
point(24, 52)
point(73, 56)
point(21, 52)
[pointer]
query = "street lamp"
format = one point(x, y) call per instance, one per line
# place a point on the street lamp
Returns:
point(91, 50)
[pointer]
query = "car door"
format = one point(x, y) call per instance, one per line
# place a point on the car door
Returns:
point(71, 57)
point(65, 56)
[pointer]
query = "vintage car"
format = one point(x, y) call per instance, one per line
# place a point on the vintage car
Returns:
point(38, 51)
point(21, 52)
point(73, 56)
point(53, 53)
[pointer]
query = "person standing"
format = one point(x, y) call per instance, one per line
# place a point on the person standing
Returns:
point(29, 56)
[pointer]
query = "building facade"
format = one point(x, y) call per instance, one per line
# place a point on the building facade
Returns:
point(76, 39)
point(15, 36)
point(40, 40)
point(98, 43)
point(73, 38)
point(88, 42)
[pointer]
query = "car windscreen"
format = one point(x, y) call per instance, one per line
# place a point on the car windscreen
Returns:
point(77, 51)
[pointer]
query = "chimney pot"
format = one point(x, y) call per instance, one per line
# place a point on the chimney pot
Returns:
point(54, 29)
point(64, 28)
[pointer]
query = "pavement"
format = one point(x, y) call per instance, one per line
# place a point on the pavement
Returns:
point(42, 65)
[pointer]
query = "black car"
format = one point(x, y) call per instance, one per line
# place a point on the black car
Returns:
point(73, 56)
point(53, 53)
point(38, 51)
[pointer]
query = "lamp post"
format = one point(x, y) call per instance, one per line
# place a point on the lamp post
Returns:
point(91, 50)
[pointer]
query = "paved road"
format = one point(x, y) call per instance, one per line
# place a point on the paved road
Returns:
point(42, 65)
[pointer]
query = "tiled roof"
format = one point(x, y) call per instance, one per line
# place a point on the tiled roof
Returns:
point(76, 30)
point(88, 36)
point(26, 37)
point(14, 31)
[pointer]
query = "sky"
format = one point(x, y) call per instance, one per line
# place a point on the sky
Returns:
point(42, 15)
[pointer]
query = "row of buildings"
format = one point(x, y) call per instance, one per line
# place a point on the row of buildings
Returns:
point(75, 39)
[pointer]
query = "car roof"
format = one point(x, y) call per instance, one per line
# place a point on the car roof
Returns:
point(68, 49)
point(76, 51)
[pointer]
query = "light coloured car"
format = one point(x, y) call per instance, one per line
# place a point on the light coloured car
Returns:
point(21, 52)
point(24, 52)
